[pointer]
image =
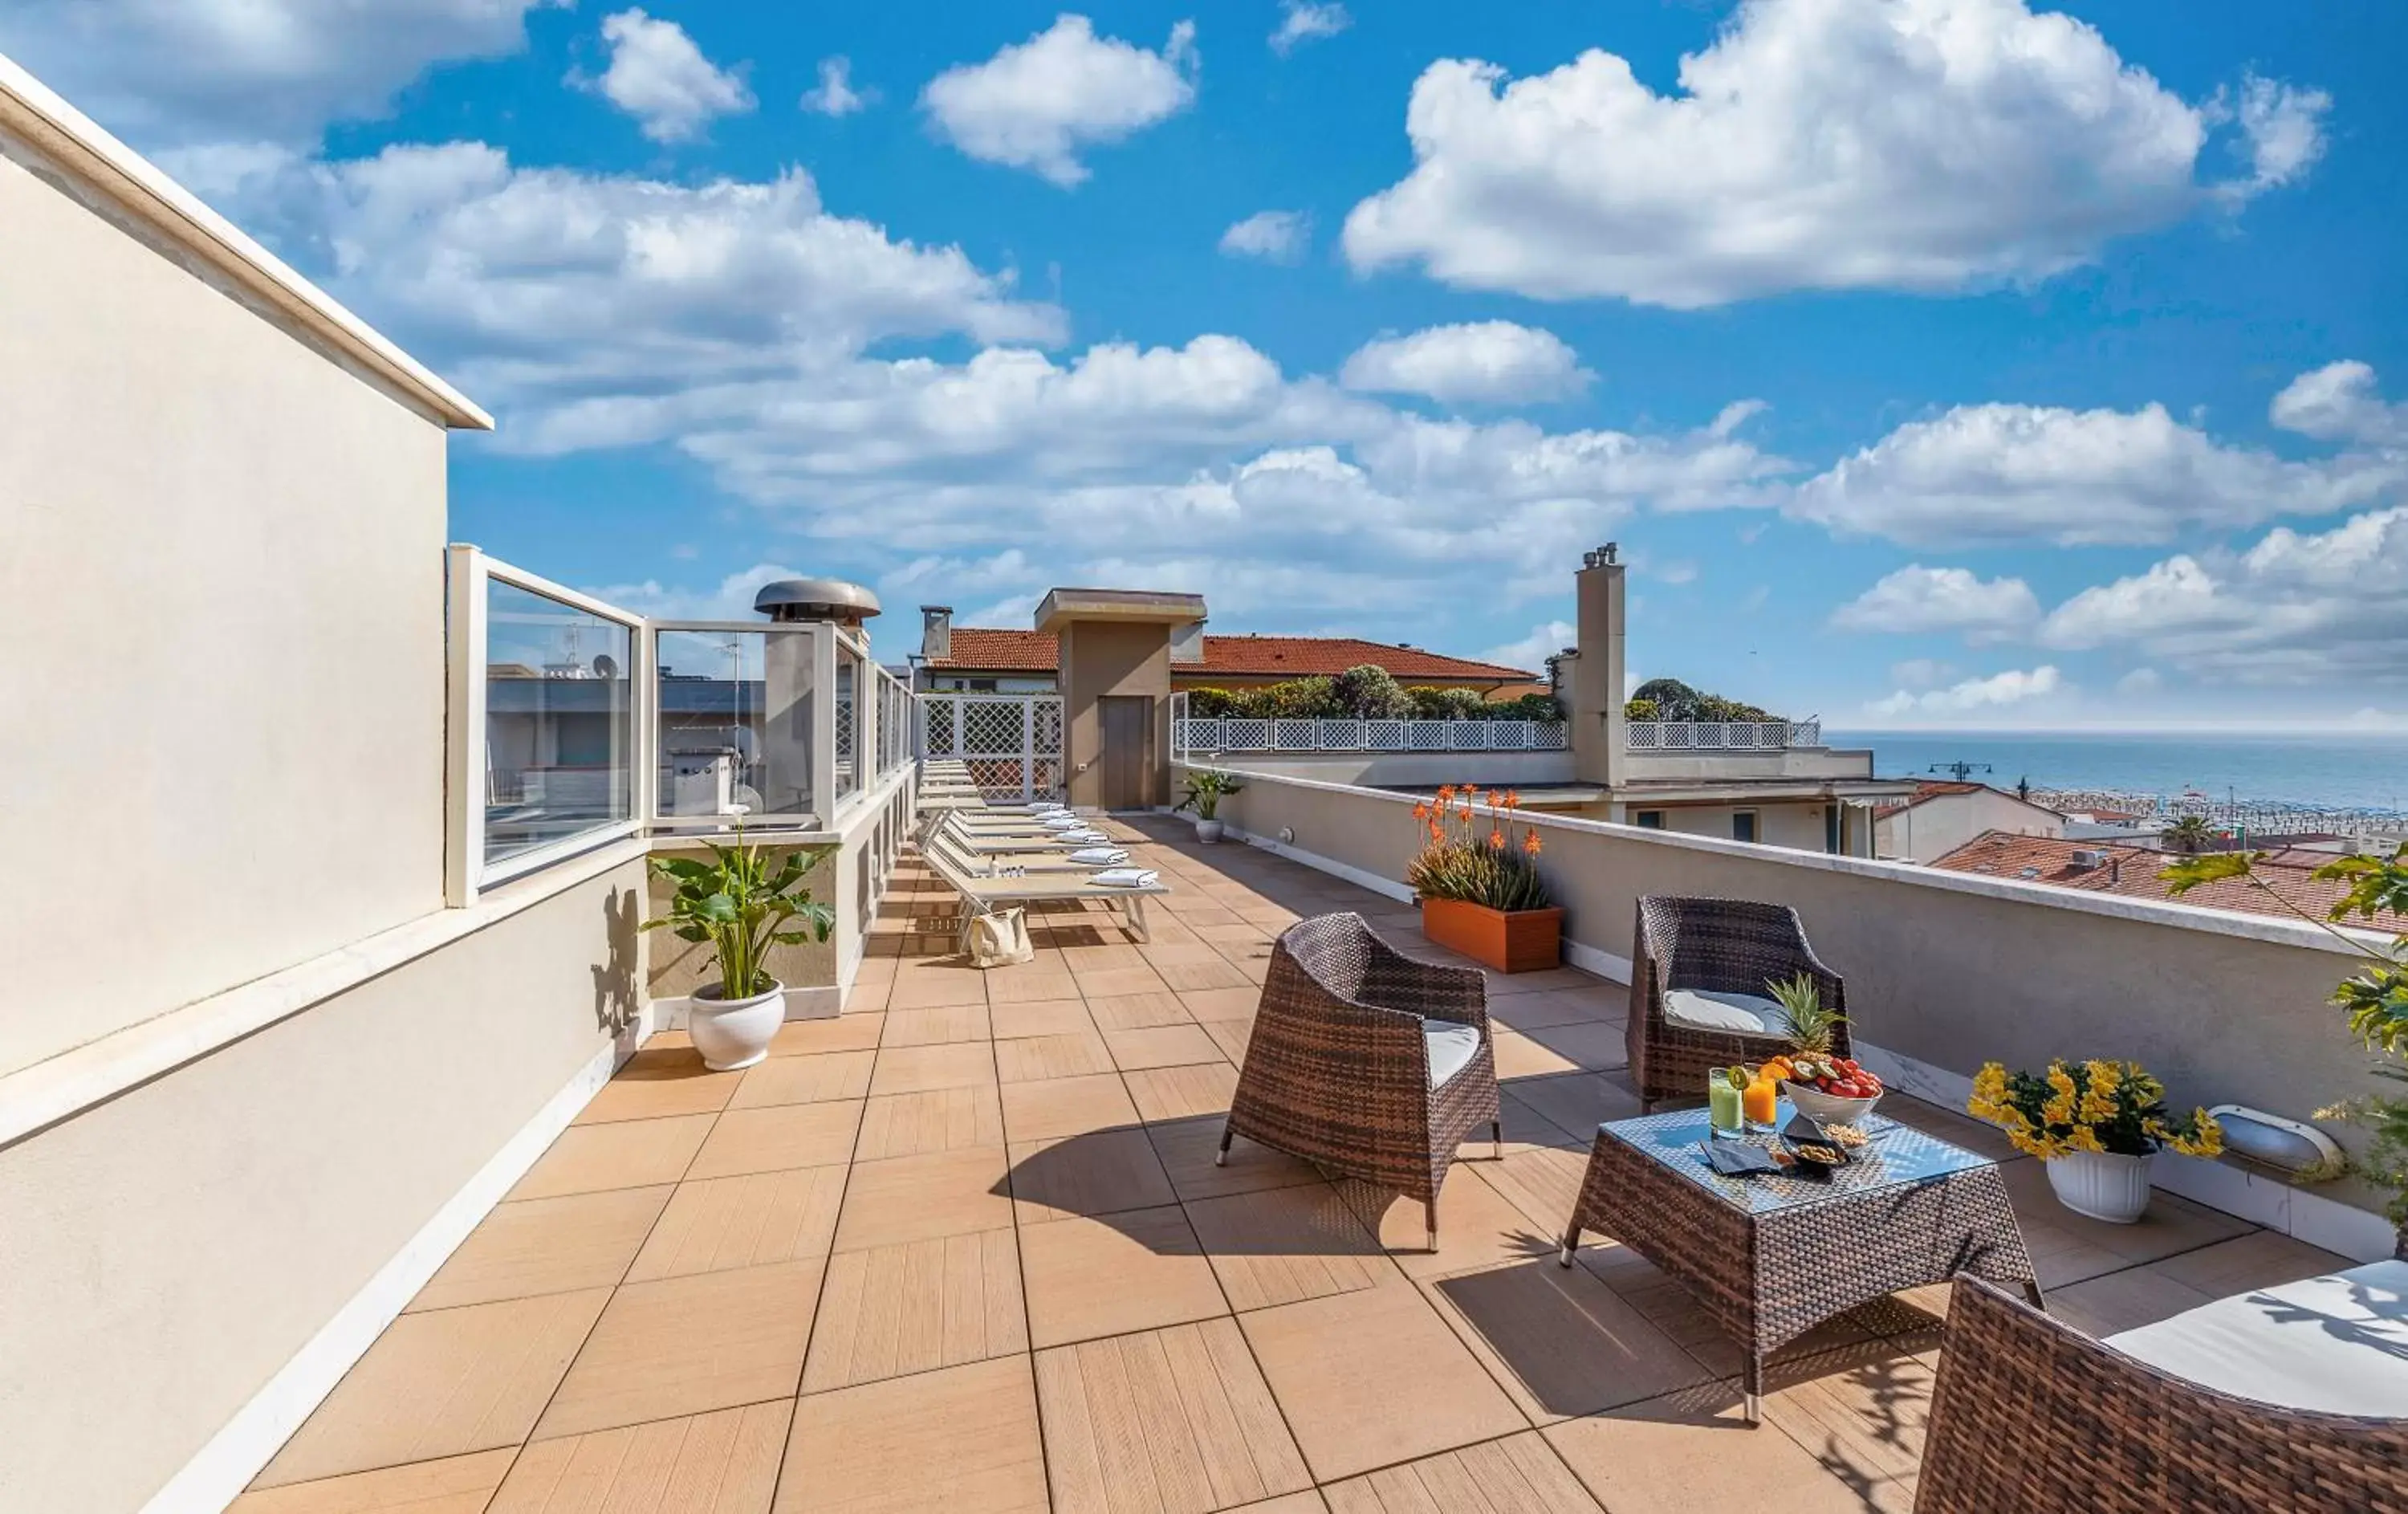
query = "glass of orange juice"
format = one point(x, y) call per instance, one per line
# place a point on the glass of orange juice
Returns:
point(1762, 1102)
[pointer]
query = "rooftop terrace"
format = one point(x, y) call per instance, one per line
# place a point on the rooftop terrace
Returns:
point(965, 1246)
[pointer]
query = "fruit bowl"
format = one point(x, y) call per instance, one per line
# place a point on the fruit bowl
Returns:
point(1827, 1108)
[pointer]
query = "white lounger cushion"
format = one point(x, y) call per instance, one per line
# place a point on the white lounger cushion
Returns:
point(1710, 1009)
point(2332, 1344)
point(1451, 1047)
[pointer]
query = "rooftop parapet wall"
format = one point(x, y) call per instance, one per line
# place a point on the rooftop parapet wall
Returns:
point(1948, 970)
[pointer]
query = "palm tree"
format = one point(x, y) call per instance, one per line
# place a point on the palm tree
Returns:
point(2190, 834)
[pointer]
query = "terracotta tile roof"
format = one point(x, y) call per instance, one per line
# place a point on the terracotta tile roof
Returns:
point(1928, 789)
point(2132, 872)
point(1289, 657)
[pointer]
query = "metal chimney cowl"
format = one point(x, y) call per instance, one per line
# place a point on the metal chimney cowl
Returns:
point(791, 600)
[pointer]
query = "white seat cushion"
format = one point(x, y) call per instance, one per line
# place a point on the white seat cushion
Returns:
point(1450, 1048)
point(1710, 1009)
point(2332, 1344)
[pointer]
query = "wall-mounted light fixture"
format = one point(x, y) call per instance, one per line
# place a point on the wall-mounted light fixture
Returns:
point(2300, 1153)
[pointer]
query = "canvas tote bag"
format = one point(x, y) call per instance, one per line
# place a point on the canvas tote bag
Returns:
point(1000, 938)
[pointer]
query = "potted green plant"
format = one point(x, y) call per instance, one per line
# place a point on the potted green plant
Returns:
point(740, 904)
point(1477, 879)
point(1206, 788)
point(2096, 1125)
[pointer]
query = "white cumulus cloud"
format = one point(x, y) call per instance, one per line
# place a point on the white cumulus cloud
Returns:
point(1921, 145)
point(1035, 104)
point(1303, 20)
point(167, 73)
point(1489, 362)
point(1974, 696)
point(1918, 600)
point(1532, 652)
point(1997, 473)
point(836, 94)
point(659, 77)
point(1273, 236)
point(2338, 403)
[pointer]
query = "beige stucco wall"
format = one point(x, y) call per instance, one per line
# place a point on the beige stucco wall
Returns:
point(1798, 826)
point(1950, 970)
point(1106, 657)
point(1937, 825)
point(221, 552)
point(166, 1252)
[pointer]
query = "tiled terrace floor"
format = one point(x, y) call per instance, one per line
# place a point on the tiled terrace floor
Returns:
point(964, 1249)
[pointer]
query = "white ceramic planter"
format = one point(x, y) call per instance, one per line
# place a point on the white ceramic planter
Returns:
point(1208, 831)
point(733, 1033)
point(2101, 1185)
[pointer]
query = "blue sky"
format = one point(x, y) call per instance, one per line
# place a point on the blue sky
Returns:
point(1934, 361)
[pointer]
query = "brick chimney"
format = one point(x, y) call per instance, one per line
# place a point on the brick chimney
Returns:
point(1591, 675)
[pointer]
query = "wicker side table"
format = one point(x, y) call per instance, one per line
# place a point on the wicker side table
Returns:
point(1771, 1258)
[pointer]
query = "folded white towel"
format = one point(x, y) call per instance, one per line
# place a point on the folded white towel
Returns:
point(1048, 807)
point(1100, 857)
point(1082, 838)
point(1127, 877)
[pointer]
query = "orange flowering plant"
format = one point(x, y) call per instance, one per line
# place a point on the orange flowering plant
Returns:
point(1477, 848)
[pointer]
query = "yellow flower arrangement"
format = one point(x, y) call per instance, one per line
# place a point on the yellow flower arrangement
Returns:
point(2099, 1106)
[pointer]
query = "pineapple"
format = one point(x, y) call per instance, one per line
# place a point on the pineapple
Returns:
point(1811, 1022)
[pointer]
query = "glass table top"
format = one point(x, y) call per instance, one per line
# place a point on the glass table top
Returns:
point(1895, 1155)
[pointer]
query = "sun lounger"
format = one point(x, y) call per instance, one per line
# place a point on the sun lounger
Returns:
point(983, 894)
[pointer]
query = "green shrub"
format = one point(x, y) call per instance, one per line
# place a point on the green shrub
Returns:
point(1366, 692)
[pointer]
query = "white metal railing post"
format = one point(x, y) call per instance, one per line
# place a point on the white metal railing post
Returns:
point(868, 694)
point(645, 711)
point(823, 725)
point(464, 783)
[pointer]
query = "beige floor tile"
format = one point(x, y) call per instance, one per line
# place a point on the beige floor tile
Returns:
point(454, 1485)
point(1060, 1106)
point(1170, 1422)
point(924, 1069)
point(1530, 1010)
point(1042, 1016)
point(546, 1246)
point(1031, 1059)
point(442, 1384)
point(1030, 984)
point(2261, 1259)
point(941, 1120)
point(934, 1194)
point(1084, 961)
point(778, 1137)
point(1178, 1092)
point(687, 1346)
point(2067, 1247)
point(1476, 1227)
point(1096, 1173)
point(1117, 982)
point(1231, 1004)
point(1277, 1245)
point(1161, 1045)
point(1541, 1181)
point(1692, 1451)
point(936, 1026)
point(1561, 1342)
point(1552, 980)
point(1518, 1475)
point(818, 1078)
point(960, 1439)
point(1138, 1012)
point(1577, 1103)
point(930, 984)
point(1231, 1037)
point(1950, 1125)
point(659, 1082)
point(722, 1463)
point(855, 1032)
point(588, 1159)
point(1519, 1056)
point(748, 1222)
point(1189, 1146)
point(1373, 1378)
point(1307, 1502)
point(1862, 1414)
point(1140, 1269)
point(2127, 1300)
point(915, 1307)
point(1202, 977)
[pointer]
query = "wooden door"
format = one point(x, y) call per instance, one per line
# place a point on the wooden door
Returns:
point(1128, 755)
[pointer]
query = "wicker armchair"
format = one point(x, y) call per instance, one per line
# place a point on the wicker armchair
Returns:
point(1338, 1072)
point(2031, 1417)
point(1715, 945)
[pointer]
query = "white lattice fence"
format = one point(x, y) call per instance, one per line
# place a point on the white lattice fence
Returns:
point(1011, 743)
point(1247, 734)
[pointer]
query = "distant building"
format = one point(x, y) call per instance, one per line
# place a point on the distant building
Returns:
point(2132, 870)
point(1939, 817)
point(979, 659)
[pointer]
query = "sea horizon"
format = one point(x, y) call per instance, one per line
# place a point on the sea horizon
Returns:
point(2313, 769)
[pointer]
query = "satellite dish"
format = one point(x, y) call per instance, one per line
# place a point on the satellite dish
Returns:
point(605, 666)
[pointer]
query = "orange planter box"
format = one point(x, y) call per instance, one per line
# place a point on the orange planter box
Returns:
point(1516, 941)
